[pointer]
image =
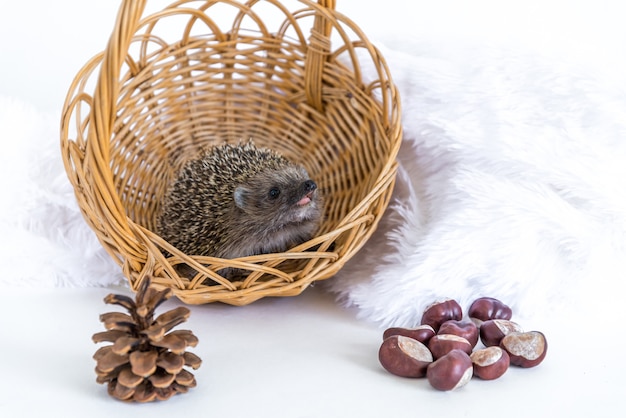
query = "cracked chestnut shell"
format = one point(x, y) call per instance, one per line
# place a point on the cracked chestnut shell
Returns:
point(486, 308)
point(467, 330)
point(439, 312)
point(422, 333)
point(492, 331)
point(442, 344)
point(451, 371)
point(404, 356)
point(490, 363)
point(526, 349)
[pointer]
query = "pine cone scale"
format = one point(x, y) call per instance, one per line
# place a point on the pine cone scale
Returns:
point(121, 300)
point(110, 361)
point(156, 298)
point(143, 363)
point(118, 321)
point(170, 362)
point(111, 318)
point(144, 393)
point(192, 360)
point(125, 344)
point(108, 336)
point(127, 378)
point(104, 377)
point(173, 343)
point(120, 391)
point(162, 379)
point(101, 352)
point(185, 378)
point(175, 314)
point(164, 393)
point(188, 336)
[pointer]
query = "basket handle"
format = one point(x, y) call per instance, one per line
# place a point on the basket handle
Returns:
point(102, 119)
point(317, 53)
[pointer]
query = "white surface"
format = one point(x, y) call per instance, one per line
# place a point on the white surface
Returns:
point(294, 357)
point(302, 356)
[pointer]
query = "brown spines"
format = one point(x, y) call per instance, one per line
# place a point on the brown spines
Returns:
point(196, 210)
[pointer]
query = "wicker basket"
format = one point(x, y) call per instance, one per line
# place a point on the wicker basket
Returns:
point(178, 80)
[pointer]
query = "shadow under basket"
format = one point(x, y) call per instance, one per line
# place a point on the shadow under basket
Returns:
point(306, 83)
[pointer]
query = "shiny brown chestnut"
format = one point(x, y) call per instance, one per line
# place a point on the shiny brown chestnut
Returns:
point(451, 371)
point(404, 356)
point(526, 349)
point(493, 330)
point(465, 329)
point(439, 312)
point(422, 333)
point(490, 363)
point(486, 308)
point(442, 344)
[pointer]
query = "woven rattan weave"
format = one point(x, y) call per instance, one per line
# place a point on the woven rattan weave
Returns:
point(202, 72)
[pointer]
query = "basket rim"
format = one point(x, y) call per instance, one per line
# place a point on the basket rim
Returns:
point(121, 236)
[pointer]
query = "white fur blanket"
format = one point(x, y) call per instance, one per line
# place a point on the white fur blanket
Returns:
point(512, 184)
point(45, 240)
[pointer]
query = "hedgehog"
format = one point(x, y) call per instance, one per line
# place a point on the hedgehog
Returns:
point(239, 200)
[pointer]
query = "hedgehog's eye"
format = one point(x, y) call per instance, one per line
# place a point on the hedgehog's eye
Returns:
point(274, 192)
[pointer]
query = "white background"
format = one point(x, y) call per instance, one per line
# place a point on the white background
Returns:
point(304, 356)
point(45, 43)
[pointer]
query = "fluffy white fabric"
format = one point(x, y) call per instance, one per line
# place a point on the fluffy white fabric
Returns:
point(46, 242)
point(512, 184)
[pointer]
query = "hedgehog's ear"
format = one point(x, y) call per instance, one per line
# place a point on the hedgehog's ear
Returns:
point(240, 196)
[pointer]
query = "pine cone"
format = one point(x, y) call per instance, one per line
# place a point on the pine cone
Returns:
point(145, 361)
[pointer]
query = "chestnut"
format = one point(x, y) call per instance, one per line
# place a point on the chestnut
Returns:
point(422, 333)
point(493, 330)
point(467, 330)
point(451, 371)
point(442, 344)
point(526, 349)
point(439, 312)
point(404, 356)
point(490, 363)
point(484, 309)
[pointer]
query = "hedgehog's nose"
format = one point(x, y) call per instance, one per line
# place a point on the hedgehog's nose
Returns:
point(309, 186)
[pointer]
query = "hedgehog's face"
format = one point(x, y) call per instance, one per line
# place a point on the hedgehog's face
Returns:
point(277, 198)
